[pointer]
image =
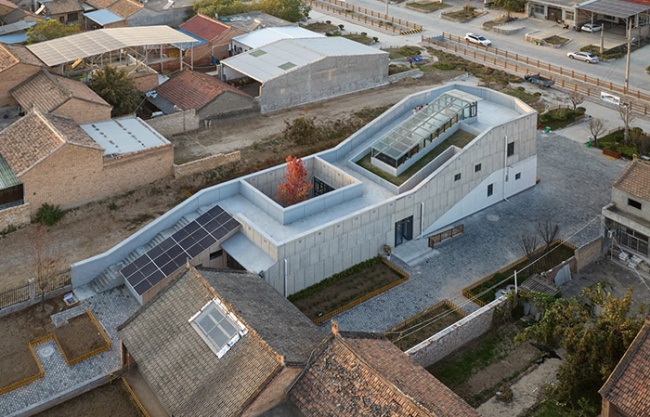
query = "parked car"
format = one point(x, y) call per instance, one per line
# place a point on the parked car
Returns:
point(479, 39)
point(591, 27)
point(539, 80)
point(583, 56)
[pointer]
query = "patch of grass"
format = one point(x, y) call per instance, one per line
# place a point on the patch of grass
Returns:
point(112, 206)
point(464, 14)
point(49, 214)
point(550, 408)
point(429, 6)
point(396, 69)
point(402, 52)
point(450, 62)
point(321, 27)
point(141, 218)
point(523, 95)
point(460, 138)
point(360, 37)
point(560, 118)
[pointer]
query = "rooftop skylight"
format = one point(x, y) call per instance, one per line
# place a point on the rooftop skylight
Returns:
point(218, 327)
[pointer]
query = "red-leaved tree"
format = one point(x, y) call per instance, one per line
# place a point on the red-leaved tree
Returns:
point(295, 187)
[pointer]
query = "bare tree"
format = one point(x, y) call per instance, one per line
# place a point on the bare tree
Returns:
point(596, 127)
point(46, 265)
point(576, 99)
point(529, 245)
point(625, 112)
point(548, 231)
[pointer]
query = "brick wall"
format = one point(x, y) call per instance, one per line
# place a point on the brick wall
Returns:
point(82, 111)
point(10, 78)
point(173, 124)
point(573, 266)
point(588, 253)
point(14, 216)
point(455, 336)
point(145, 82)
point(205, 164)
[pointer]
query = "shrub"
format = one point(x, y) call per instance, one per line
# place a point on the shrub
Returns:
point(49, 214)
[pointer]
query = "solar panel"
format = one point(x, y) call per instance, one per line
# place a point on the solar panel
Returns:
point(165, 258)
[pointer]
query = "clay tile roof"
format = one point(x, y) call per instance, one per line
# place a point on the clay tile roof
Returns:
point(635, 179)
point(204, 27)
point(36, 136)
point(193, 90)
point(46, 92)
point(100, 4)
point(628, 387)
point(7, 59)
point(125, 8)
point(6, 4)
point(63, 6)
point(372, 376)
point(188, 378)
point(24, 55)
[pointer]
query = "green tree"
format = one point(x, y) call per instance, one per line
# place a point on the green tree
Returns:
point(114, 86)
point(510, 6)
point(212, 8)
point(594, 330)
point(291, 10)
point(45, 30)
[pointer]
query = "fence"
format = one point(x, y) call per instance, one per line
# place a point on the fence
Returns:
point(521, 65)
point(31, 291)
point(381, 20)
point(447, 234)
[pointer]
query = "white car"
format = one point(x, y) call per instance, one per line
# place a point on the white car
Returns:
point(479, 39)
point(591, 27)
point(583, 56)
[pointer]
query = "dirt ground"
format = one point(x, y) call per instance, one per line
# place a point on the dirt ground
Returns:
point(111, 400)
point(79, 336)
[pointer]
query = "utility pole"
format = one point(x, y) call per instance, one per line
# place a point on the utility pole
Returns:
point(626, 138)
point(602, 39)
point(386, 10)
point(627, 60)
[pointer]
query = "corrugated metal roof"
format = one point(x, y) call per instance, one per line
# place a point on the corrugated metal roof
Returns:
point(103, 17)
point(616, 8)
point(15, 27)
point(273, 60)
point(199, 41)
point(120, 136)
point(96, 42)
point(263, 37)
point(7, 176)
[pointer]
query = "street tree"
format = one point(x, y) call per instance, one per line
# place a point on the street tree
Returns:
point(114, 85)
point(596, 128)
point(296, 186)
point(45, 30)
point(594, 330)
point(46, 264)
point(548, 232)
point(576, 98)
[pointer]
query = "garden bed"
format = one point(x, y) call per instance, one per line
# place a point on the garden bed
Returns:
point(463, 15)
point(561, 118)
point(639, 143)
point(348, 288)
point(484, 291)
point(427, 6)
point(361, 38)
point(321, 27)
point(424, 325)
point(556, 41)
point(75, 348)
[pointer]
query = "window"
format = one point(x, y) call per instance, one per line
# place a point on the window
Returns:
point(457, 177)
point(511, 148)
point(218, 328)
point(490, 190)
point(537, 8)
point(518, 175)
point(321, 187)
point(634, 203)
point(477, 167)
point(568, 15)
point(633, 240)
point(215, 255)
point(403, 230)
point(73, 17)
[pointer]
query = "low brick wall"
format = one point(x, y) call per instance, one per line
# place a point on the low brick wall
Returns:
point(14, 216)
point(455, 336)
point(588, 253)
point(573, 266)
point(173, 124)
point(414, 73)
point(205, 164)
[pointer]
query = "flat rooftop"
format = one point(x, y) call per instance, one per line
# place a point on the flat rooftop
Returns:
point(122, 136)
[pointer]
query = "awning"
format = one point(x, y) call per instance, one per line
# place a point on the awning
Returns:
point(249, 255)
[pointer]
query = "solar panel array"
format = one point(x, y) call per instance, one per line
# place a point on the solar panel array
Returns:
point(164, 259)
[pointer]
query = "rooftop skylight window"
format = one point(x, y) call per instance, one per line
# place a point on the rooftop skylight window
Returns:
point(218, 327)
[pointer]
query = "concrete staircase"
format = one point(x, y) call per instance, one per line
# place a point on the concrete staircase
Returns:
point(111, 277)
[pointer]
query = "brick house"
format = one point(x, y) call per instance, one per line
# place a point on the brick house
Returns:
point(626, 391)
point(209, 96)
point(217, 36)
point(60, 162)
point(17, 64)
point(65, 11)
point(224, 343)
point(51, 93)
point(125, 9)
point(627, 217)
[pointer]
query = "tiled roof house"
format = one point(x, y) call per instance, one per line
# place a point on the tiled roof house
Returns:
point(627, 217)
point(626, 392)
point(209, 96)
point(60, 162)
point(273, 343)
point(17, 64)
point(65, 11)
point(51, 93)
point(217, 35)
point(125, 8)
point(363, 374)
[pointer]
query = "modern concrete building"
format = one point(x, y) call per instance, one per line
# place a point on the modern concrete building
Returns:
point(291, 72)
point(356, 207)
point(627, 217)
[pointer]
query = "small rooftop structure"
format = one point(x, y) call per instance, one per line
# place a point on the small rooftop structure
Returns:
point(263, 37)
point(103, 17)
point(616, 8)
point(121, 136)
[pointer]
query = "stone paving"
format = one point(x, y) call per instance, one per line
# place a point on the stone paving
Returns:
point(111, 309)
point(575, 184)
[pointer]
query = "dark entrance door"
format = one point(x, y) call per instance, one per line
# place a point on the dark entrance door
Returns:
point(403, 230)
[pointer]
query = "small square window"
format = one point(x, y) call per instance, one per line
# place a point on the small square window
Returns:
point(511, 148)
point(477, 167)
point(518, 175)
point(634, 203)
point(456, 177)
point(490, 190)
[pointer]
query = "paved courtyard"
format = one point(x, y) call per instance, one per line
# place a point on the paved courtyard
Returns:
point(575, 183)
